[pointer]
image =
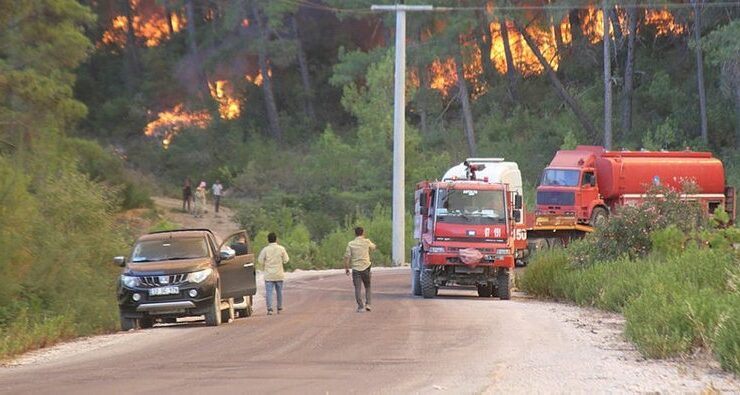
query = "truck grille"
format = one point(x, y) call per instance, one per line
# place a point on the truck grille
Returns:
point(156, 281)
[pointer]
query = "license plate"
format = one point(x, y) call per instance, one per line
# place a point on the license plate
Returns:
point(164, 291)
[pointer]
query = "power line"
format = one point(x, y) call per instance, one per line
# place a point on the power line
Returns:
point(551, 7)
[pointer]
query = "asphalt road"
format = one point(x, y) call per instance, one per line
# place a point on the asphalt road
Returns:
point(456, 343)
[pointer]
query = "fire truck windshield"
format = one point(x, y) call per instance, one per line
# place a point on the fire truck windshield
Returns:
point(560, 177)
point(470, 206)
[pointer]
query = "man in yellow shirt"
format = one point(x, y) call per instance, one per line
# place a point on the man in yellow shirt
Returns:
point(273, 257)
point(358, 253)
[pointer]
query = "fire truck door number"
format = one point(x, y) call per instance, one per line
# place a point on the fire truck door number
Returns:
point(520, 234)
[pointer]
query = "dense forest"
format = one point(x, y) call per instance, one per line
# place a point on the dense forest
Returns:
point(289, 103)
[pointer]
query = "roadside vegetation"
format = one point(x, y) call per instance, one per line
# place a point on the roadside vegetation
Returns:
point(675, 278)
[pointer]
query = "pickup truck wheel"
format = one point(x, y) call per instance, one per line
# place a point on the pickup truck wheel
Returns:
point(485, 291)
point(128, 324)
point(213, 315)
point(503, 288)
point(428, 289)
point(598, 217)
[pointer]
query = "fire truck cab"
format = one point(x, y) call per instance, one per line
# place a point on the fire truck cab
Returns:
point(466, 229)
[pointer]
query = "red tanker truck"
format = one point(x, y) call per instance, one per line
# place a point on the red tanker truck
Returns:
point(582, 187)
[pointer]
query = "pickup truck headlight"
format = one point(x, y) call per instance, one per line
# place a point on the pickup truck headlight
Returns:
point(503, 251)
point(199, 276)
point(436, 249)
point(129, 281)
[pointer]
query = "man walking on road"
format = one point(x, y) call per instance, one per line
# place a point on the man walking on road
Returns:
point(358, 253)
point(217, 188)
point(273, 257)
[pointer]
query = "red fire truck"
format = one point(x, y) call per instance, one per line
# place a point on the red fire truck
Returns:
point(582, 187)
point(467, 226)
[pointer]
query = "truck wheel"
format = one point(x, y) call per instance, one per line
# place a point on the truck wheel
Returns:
point(485, 291)
point(415, 282)
point(128, 324)
point(598, 217)
point(213, 315)
point(503, 284)
point(428, 289)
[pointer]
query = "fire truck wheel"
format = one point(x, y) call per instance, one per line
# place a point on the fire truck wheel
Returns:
point(485, 291)
point(415, 282)
point(428, 290)
point(503, 284)
point(598, 217)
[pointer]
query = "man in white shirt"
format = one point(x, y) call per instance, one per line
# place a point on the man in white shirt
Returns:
point(217, 188)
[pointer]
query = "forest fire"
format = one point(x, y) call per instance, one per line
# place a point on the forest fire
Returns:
point(150, 24)
point(229, 107)
point(525, 62)
point(664, 23)
point(169, 123)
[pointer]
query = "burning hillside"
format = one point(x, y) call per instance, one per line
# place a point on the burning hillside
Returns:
point(151, 24)
point(169, 123)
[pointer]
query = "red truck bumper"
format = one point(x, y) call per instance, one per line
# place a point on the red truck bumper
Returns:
point(506, 261)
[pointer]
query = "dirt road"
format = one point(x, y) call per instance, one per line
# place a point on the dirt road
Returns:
point(220, 223)
point(456, 343)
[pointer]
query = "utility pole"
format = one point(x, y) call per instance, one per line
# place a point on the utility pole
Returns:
point(607, 79)
point(399, 123)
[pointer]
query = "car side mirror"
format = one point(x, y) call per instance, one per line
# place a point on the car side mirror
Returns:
point(225, 255)
point(119, 261)
point(593, 182)
point(517, 202)
point(517, 215)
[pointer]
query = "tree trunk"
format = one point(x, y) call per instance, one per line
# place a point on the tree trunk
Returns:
point(168, 13)
point(465, 100)
point(193, 44)
point(132, 56)
point(700, 72)
point(737, 110)
point(607, 81)
point(483, 38)
point(308, 96)
point(270, 106)
point(511, 77)
point(421, 95)
point(629, 71)
point(614, 19)
point(591, 132)
point(576, 34)
point(560, 45)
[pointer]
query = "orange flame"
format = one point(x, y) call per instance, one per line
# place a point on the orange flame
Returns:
point(523, 58)
point(151, 27)
point(170, 123)
point(664, 23)
point(229, 107)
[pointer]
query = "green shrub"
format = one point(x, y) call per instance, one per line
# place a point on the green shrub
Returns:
point(668, 241)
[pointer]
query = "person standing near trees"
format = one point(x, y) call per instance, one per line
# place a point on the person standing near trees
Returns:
point(272, 258)
point(200, 200)
point(217, 188)
point(187, 195)
point(358, 254)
